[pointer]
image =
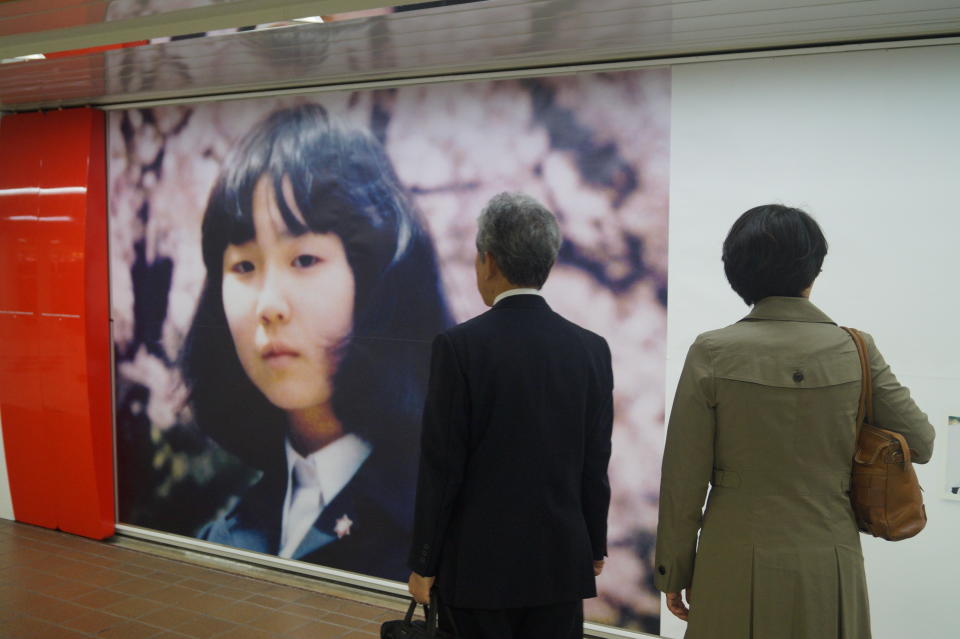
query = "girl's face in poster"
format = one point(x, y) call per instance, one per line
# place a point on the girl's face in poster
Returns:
point(289, 304)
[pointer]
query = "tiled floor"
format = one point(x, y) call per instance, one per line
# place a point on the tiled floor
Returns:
point(55, 585)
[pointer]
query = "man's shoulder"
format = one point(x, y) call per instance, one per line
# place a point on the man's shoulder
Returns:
point(491, 321)
point(586, 332)
point(473, 326)
point(488, 329)
point(589, 338)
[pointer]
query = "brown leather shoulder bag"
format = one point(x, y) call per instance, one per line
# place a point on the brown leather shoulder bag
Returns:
point(884, 491)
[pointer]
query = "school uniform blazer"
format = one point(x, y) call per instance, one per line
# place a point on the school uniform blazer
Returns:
point(765, 412)
point(512, 494)
point(371, 540)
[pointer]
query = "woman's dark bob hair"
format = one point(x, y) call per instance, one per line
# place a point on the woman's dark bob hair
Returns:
point(773, 250)
point(343, 183)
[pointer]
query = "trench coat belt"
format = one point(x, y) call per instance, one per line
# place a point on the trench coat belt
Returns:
point(782, 483)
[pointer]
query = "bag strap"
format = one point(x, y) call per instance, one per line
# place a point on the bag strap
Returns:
point(433, 617)
point(865, 412)
point(431, 613)
point(413, 608)
point(865, 409)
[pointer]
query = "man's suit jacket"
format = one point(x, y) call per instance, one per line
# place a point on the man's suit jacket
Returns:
point(375, 504)
point(512, 495)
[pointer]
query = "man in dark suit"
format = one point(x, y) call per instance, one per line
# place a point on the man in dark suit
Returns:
point(512, 497)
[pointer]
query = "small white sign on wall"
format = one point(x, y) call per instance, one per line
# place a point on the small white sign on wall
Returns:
point(952, 480)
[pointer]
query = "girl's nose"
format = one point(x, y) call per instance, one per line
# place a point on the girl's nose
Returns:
point(272, 307)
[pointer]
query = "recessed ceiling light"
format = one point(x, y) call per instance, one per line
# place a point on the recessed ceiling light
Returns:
point(309, 19)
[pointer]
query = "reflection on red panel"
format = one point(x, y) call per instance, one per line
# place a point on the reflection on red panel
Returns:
point(57, 431)
point(106, 47)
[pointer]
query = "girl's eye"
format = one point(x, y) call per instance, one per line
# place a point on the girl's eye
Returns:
point(305, 261)
point(241, 267)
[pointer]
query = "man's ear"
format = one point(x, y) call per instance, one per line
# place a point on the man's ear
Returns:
point(491, 266)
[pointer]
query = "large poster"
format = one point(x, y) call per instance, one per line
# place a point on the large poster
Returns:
point(280, 266)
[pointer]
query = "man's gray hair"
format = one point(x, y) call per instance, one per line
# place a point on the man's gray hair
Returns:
point(522, 235)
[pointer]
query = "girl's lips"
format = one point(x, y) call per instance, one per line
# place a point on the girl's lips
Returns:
point(280, 359)
point(278, 352)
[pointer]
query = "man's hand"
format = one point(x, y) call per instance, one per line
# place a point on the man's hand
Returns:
point(676, 606)
point(597, 568)
point(420, 587)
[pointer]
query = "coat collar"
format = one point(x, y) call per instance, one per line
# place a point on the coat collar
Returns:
point(788, 309)
point(522, 301)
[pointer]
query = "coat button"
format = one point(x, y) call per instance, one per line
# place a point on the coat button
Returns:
point(662, 570)
point(798, 377)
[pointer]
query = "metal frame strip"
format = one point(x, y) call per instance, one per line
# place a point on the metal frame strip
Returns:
point(527, 72)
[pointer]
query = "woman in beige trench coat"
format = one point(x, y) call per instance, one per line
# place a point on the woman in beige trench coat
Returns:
point(765, 412)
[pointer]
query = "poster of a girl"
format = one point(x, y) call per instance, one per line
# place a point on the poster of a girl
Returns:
point(307, 356)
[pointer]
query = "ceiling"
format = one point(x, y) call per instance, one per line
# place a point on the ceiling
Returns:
point(453, 39)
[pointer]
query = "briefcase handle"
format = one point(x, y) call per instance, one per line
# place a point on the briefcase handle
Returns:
point(430, 612)
point(412, 609)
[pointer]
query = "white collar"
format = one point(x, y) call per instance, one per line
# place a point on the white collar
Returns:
point(335, 464)
point(516, 291)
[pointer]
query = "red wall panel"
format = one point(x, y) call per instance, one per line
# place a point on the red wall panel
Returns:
point(58, 436)
point(29, 468)
point(97, 327)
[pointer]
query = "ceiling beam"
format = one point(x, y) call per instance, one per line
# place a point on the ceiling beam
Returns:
point(239, 13)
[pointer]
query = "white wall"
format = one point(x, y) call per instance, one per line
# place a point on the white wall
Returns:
point(869, 143)
point(6, 502)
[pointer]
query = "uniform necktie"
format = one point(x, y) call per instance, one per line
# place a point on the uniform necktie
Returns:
point(305, 505)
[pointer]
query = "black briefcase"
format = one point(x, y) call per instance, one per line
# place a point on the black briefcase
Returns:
point(407, 628)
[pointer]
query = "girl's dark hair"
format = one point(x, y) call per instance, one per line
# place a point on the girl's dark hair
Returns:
point(342, 183)
point(773, 250)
